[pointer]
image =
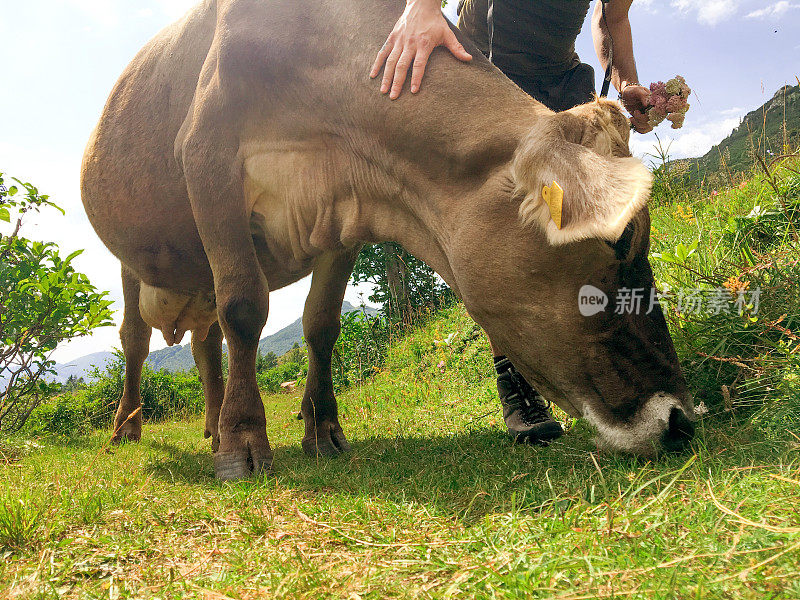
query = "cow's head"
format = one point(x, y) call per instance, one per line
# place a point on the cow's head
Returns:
point(569, 299)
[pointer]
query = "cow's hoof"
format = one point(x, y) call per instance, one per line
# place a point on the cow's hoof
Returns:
point(327, 440)
point(214, 439)
point(242, 456)
point(128, 432)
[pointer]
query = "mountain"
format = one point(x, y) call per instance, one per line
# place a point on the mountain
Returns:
point(761, 131)
point(179, 358)
point(81, 367)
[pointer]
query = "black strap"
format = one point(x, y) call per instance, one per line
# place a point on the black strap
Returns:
point(490, 24)
point(607, 78)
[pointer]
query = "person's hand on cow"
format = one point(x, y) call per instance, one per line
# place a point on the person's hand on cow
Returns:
point(634, 98)
point(421, 28)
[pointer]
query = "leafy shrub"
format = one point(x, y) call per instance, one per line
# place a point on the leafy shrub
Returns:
point(361, 348)
point(763, 228)
point(165, 395)
point(270, 380)
point(43, 301)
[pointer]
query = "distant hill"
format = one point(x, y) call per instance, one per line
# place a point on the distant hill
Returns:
point(81, 367)
point(179, 358)
point(761, 131)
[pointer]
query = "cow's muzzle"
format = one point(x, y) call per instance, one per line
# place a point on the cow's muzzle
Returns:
point(679, 432)
point(663, 423)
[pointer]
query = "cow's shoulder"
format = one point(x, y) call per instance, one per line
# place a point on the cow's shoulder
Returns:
point(274, 41)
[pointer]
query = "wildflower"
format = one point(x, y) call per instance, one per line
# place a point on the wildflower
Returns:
point(684, 213)
point(677, 119)
point(658, 88)
point(668, 101)
point(742, 185)
point(735, 285)
point(654, 117)
point(677, 86)
point(660, 103)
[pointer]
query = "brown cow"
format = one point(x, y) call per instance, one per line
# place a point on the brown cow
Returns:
point(245, 147)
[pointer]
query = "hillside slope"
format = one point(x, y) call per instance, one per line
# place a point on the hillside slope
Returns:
point(761, 132)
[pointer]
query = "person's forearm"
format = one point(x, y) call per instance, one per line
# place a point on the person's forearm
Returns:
point(623, 71)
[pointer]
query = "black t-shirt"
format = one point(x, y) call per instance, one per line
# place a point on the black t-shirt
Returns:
point(534, 45)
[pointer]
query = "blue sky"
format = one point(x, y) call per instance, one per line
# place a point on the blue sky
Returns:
point(60, 59)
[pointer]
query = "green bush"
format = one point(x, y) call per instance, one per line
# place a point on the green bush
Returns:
point(764, 227)
point(43, 302)
point(361, 348)
point(270, 380)
point(165, 395)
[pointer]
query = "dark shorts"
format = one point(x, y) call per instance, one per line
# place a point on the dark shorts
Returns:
point(544, 66)
point(562, 92)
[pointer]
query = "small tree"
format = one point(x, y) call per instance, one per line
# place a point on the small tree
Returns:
point(43, 301)
point(267, 361)
point(73, 383)
point(295, 355)
point(403, 284)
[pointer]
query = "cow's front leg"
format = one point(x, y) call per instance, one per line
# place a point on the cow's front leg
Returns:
point(321, 327)
point(218, 204)
point(208, 358)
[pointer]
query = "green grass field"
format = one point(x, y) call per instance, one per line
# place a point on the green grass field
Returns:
point(433, 502)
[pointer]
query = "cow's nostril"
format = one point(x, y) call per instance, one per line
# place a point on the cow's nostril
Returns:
point(680, 431)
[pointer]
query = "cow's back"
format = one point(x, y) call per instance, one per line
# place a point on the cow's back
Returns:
point(132, 185)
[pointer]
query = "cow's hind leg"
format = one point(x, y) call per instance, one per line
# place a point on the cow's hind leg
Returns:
point(208, 358)
point(321, 328)
point(135, 337)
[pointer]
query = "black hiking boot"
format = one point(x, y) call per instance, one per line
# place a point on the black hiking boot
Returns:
point(526, 413)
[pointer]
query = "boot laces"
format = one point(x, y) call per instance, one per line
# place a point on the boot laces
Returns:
point(533, 408)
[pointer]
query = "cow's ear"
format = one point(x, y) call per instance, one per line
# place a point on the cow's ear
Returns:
point(574, 193)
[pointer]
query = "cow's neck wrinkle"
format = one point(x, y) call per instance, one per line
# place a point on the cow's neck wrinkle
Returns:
point(351, 187)
point(308, 199)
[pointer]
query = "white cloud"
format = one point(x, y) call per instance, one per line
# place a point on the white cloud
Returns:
point(773, 10)
point(709, 12)
point(692, 141)
point(646, 5)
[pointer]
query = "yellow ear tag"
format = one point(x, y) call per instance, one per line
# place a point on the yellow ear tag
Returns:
point(554, 196)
